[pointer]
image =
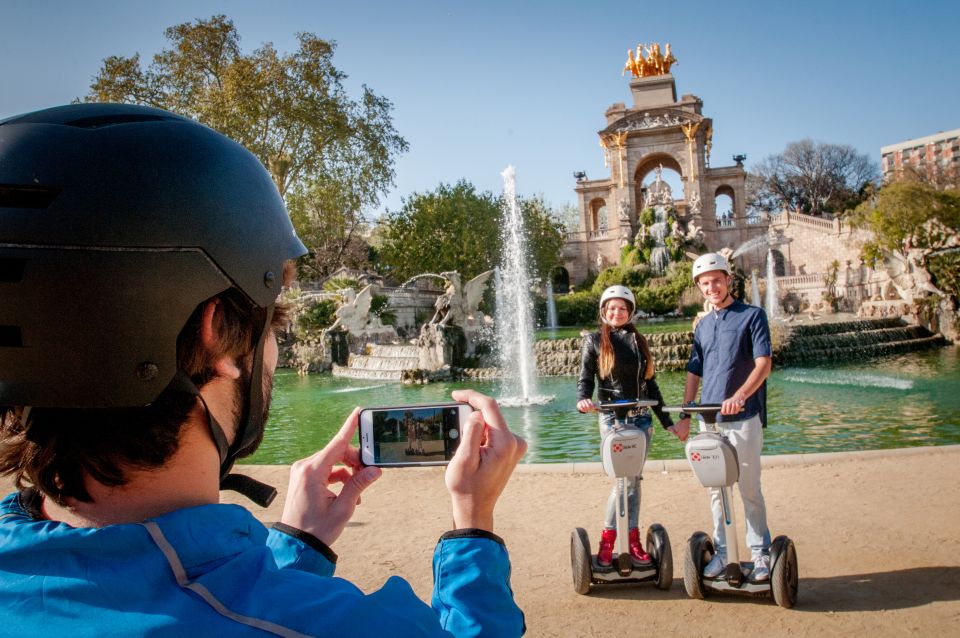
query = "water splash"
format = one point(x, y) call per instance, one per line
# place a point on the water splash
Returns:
point(762, 241)
point(858, 379)
point(358, 389)
point(514, 307)
point(773, 299)
point(755, 290)
point(551, 307)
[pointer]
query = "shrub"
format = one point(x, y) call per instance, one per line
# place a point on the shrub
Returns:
point(577, 308)
point(316, 317)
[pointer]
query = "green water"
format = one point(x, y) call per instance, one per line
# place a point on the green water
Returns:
point(905, 401)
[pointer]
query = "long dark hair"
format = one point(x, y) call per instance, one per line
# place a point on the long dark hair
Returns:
point(605, 363)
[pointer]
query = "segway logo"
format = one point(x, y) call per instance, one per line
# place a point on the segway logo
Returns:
point(695, 456)
point(617, 448)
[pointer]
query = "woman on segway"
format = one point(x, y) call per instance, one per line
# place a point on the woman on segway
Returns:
point(619, 357)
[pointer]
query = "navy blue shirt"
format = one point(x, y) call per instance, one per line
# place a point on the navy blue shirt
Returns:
point(725, 344)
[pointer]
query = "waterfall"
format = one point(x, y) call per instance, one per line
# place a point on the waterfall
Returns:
point(551, 307)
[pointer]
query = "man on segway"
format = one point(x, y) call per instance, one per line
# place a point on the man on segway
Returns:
point(732, 355)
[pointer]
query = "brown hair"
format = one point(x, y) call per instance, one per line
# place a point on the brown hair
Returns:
point(56, 449)
point(605, 362)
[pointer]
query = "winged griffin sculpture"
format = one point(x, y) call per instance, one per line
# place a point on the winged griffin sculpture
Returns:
point(458, 304)
point(353, 315)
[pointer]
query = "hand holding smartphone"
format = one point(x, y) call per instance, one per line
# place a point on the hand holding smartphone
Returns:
point(411, 435)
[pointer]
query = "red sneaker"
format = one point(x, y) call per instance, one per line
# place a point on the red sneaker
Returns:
point(605, 554)
point(637, 555)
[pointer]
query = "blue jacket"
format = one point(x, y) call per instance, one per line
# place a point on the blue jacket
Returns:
point(215, 570)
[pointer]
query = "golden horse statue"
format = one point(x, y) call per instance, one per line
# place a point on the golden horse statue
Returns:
point(653, 63)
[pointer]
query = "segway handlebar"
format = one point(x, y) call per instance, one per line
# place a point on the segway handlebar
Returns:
point(709, 411)
point(621, 408)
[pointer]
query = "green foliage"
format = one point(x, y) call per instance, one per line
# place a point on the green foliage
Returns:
point(619, 276)
point(631, 257)
point(577, 308)
point(898, 216)
point(945, 270)
point(316, 317)
point(901, 208)
point(340, 283)
point(329, 155)
point(379, 308)
point(457, 228)
point(663, 295)
point(830, 282)
point(647, 217)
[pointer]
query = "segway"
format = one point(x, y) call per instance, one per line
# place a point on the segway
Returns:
point(623, 452)
point(714, 461)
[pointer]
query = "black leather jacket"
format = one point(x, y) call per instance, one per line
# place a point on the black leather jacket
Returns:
point(626, 380)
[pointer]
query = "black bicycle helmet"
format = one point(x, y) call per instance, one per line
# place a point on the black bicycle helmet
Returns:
point(116, 221)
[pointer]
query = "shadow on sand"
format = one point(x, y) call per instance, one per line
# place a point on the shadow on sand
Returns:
point(901, 589)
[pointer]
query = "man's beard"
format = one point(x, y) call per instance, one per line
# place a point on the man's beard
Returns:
point(241, 409)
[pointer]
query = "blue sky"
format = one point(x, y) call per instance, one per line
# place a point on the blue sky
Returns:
point(480, 85)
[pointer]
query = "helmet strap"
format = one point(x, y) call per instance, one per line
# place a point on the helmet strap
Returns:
point(249, 429)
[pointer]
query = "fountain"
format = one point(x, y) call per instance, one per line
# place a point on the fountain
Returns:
point(514, 307)
point(551, 308)
point(755, 289)
point(773, 300)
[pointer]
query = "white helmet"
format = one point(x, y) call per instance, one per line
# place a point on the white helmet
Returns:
point(618, 292)
point(708, 262)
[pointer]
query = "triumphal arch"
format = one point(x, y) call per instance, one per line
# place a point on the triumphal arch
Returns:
point(657, 131)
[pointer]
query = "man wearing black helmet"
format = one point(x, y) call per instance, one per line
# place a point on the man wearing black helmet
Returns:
point(141, 255)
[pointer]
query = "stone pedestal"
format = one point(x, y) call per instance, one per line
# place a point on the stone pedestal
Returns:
point(653, 91)
point(441, 346)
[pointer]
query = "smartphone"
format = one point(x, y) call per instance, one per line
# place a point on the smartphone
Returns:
point(406, 435)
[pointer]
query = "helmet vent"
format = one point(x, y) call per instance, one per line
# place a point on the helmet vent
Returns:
point(11, 270)
point(26, 196)
point(101, 121)
point(10, 337)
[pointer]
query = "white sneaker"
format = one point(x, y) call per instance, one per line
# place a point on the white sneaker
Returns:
point(761, 567)
point(716, 566)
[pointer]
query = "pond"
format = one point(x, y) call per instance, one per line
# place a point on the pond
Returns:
point(905, 401)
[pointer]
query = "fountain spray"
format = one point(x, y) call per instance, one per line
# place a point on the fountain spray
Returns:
point(515, 315)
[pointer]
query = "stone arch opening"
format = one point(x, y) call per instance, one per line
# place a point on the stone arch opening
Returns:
point(779, 263)
point(560, 277)
point(724, 199)
point(645, 175)
point(598, 215)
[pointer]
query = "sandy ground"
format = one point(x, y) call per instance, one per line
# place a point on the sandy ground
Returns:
point(877, 537)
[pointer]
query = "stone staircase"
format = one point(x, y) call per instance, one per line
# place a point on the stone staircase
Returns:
point(561, 357)
point(852, 340)
point(381, 362)
point(793, 345)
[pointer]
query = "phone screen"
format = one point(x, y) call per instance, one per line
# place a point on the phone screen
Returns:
point(415, 434)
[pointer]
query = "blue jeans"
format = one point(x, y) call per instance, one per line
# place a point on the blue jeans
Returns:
point(641, 422)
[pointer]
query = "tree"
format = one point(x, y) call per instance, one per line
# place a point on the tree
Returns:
point(915, 215)
point(328, 154)
point(457, 228)
point(812, 178)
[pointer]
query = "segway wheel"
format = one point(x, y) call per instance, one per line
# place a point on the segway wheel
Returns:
point(658, 544)
point(784, 576)
point(699, 553)
point(580, 560)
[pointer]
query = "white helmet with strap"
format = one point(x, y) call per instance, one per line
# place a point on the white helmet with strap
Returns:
point(618, 292)
point(708, 262)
